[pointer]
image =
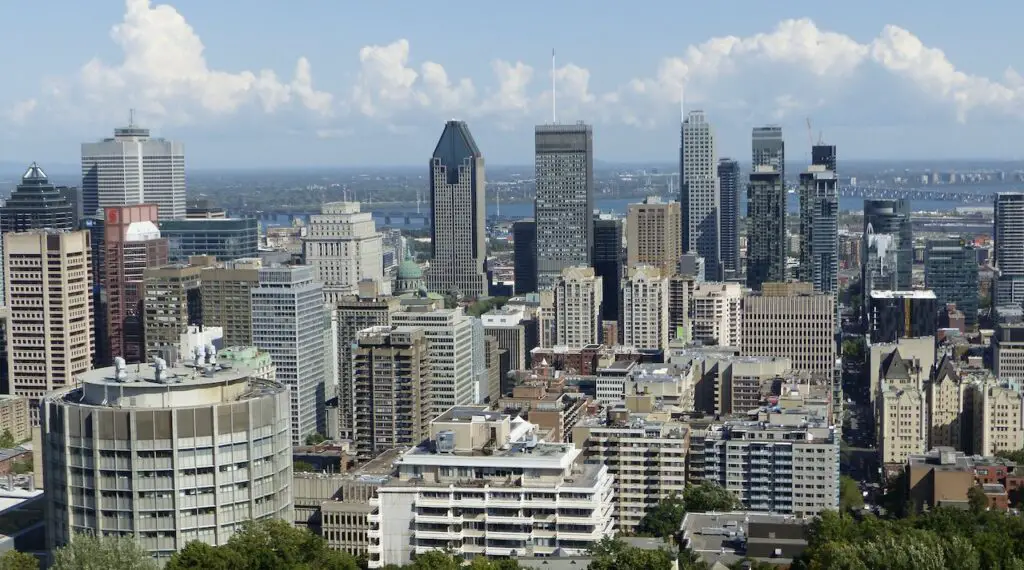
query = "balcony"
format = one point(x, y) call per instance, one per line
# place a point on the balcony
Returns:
point(373, 534)
point(373, 517)
point(439, 519)
point(439, 534)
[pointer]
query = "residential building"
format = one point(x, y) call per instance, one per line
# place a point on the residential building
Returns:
point(449, 333)
point(645, 308)
point(540, 401)
point(226, 298)
point(37, 204)
point(227, 239)
point(1008, 350)
point(344, 247)
point(890, 217)
point(15, 417)
point(49, 298)
point(132, 244)
point(699, 198)
point(607, 264)
point(288, 323)
point(680, 291)
point(766, 227)
point(578, 298)
point(793, 321)
point(564, 206)
point(945, 393)
point(134, 168)
point(765, 538)
point(166, 427)
point(654, 237)
point(819, 229)
point(997, 409)
point(524, 240)
point(717, 314)
point(951, 272)
point(824, 155)
point(901, 410)
point(508, 327)
point(1008, 248)
point(940, 477)
point(729, 183)
point(768, 149)
point(457, 230)
point(464, 472)
point(902, 314)
point(171, 303)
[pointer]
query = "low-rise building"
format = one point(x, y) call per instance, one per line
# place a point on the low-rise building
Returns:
point(725, 539)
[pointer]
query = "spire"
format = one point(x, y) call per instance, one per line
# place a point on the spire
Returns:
point(34, 174)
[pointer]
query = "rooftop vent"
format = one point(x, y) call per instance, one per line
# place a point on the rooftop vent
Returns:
point(119, 369)
point(446, 442)
point(160, 370)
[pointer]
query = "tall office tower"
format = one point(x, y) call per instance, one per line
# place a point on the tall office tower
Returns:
point(49, 297)
point(793, 321)
point(654, 236)
point(133, 168)
point(607, 264)
point(951, 271)
point(226, 298)
point(766, 227)
point(901, 314)
point(564, 207)
point(819, 229)
point(449, 335)
point(458, 232)
point(645, 308)
point(824, 155)
point(1008, 250)
point(36, 204)
point(171, 303)
point(170, 429)
point(524, 241)
point(578, 297)
point(344, 247)
point(354, 313)
point(391, 380)
point(132, 243)
point(226, 239)
point(892, 217)
point(768, 149)
point(729, 183)
point(717, 314)
point(287, 322)
point(509, 328)
point(700, 199)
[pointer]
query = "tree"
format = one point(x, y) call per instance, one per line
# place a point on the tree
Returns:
point(91, 552)
point(7, 440)
point(615, 554)
point(976, 499)
point(315, 439)
point(14, 560)
point(303, 467)
point(709, 497)
point(663, 519)
point(201, 555)
point(435, 560)
point(850, 497)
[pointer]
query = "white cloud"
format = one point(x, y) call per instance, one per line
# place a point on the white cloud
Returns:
point(22, 110)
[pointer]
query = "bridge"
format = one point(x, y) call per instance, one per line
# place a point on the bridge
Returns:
point(882, 192)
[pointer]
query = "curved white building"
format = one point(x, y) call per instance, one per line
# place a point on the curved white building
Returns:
point(169, 455)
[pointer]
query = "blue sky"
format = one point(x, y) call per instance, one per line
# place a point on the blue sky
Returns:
point(328, 83)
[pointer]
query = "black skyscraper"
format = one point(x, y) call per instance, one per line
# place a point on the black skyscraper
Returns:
point(37, 204)
point(766, 228)
point(824, 155)
point(524, 240)
point(607, 264)
point(729, 183)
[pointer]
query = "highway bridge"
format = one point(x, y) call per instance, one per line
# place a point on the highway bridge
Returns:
point(881, 192)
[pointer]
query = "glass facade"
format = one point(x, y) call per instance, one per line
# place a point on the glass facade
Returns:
point(227, 239)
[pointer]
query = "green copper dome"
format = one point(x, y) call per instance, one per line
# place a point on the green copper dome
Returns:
point(408, 270)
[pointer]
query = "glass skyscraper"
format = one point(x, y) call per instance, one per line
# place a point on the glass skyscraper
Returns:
point(951, 271)
point(729, 182)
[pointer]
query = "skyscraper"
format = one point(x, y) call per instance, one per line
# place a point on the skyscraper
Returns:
point(729, 183)
point(524, 240)
point(951, 271)
point(132, 168)
point(564, 207)
point(1008, 251)
point(653, 235)
point(766, 227)
point(699, 192)
point(287, 322)
point(457, 230)
point(36, 204)
point(824, 155)
point(645, 308)
point(891, 217)
point(449, 335)
point(768, 149)
point(578, 308)
point(819, 229)
point(607, 264)
point(344, 248)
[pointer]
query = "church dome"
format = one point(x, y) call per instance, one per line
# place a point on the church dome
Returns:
point(408, 270)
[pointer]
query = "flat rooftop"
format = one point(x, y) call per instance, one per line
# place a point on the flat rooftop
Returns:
point(725, 537)
point(914, 294)
point(467, 414)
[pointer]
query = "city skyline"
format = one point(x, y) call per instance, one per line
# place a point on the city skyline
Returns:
point(877, 83)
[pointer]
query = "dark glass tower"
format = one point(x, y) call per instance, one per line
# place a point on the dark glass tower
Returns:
point(729, 182)
point(951, 271)
point(824, 155)
point(37, 204)
point(766, 228)
point(892, 217)
point(607, 264)
point(524, 240)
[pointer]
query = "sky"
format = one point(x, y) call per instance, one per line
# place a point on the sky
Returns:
point(323, 83)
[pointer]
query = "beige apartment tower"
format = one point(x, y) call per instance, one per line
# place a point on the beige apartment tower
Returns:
point(717, 314)
point(48, 287)
point(227, 301)
point(645, 308)
point(352, 314)
point(792, 321)
point(578, 307)
point(171, 304)
point(654, 235)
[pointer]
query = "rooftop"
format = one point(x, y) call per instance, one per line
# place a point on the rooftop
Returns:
point(730, 537)
point(914, 294)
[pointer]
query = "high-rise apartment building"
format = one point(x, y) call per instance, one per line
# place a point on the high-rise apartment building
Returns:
point(1008, 248)
point(449, 335)
point(951, 272)
point(288, 323)
point(680, 292)
point(49, 297)
point(607, 264)
point(645, 308)
point(792, 321)
point(37, 204)
point(717, 314)
point(998, 406)
point(564, 207)
point(819, 229)
point(653, 235)
point(578, 296)
point(699, 198)
point(391, 383)
point(182, 453)
point(458, 234)
point(890, 217)
point(344, 247)
point(133, 168)
point(524, 242)
point(132, 244)
point(226, 298)
point(510, 330)
point(768, 149)
point(729, 183)
point(171, 303)
point(766, 227)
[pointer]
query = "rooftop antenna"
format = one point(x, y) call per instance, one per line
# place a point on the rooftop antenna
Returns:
point(682, 103)
point(131, 118)
point(554, 108)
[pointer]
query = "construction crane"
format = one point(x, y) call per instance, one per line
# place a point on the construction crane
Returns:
point(810, 133)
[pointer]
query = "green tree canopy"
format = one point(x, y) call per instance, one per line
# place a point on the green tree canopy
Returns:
point(976, 499)
point(14, 560)
point(850, 497)
point(665, 518)
point(7, 439)
point(615, 554)
point(90, 552)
